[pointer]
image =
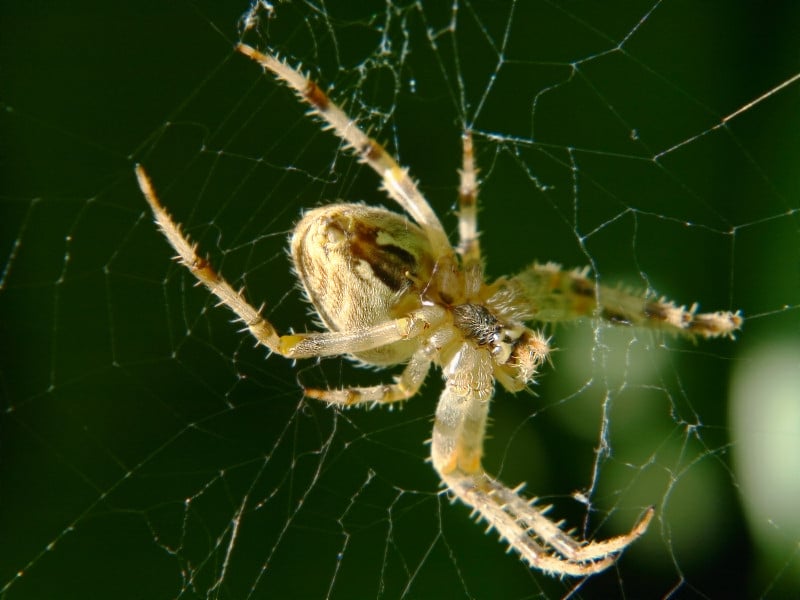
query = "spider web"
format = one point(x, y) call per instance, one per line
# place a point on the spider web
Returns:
point(148, 450)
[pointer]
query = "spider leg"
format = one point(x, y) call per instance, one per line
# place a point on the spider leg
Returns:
point(553, 294)
point(530, 533)
point(550, 533)
point(456, 450)
point(405, 386)
point(396, 180)
point(469, 245)
point(299, 345)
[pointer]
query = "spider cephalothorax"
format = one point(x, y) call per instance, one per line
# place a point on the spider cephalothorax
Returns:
point(395, 291)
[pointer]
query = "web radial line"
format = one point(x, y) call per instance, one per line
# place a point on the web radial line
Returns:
point(762, 97)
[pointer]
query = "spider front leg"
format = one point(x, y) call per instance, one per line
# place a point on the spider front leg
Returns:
point(300, 345)
point(552, 294)
point(528, 530)
point(456, 450)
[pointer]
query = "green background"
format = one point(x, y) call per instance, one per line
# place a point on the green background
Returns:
point(141, 433)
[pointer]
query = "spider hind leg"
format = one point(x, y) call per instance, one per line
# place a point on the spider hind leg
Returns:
point(299, 345)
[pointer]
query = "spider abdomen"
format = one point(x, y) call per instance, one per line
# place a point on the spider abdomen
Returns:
point(358, 265)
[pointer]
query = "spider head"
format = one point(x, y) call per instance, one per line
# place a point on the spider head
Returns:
point(516, 350)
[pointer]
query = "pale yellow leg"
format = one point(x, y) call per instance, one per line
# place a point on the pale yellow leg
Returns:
point(553, 294)
point(300, 345)
point(406, 386)
point(396, 180)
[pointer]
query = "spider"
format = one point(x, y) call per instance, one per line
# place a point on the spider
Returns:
point(393, 290)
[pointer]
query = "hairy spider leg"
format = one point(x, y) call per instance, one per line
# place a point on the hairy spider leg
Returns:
point(396, 180)
point(406, 385)
point(469, 245)
point(553, 294)
point(298, 345)
point(456, 450)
